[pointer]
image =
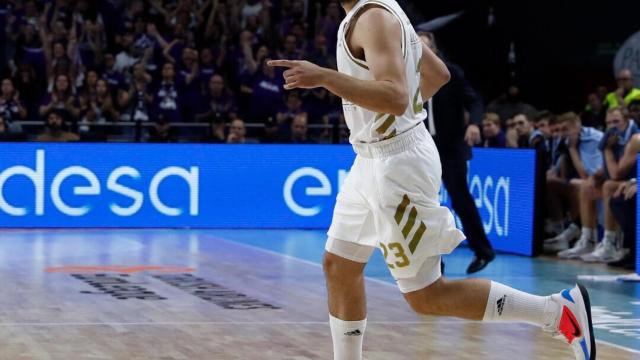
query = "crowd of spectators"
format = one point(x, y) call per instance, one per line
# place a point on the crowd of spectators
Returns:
point(79, 67)
point(165, 63)
point(589, 159)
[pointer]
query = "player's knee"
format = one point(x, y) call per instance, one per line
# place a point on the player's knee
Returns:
point(427, 301)
point(335, 266)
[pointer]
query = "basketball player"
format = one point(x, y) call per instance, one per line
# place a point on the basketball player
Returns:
point(390, 198)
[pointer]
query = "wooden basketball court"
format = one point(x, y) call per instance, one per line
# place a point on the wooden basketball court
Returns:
point(191, 295)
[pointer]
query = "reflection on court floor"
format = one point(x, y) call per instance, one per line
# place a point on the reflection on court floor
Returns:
point(231, 294)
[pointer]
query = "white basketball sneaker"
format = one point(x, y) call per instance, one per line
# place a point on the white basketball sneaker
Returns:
point(605, 251)
point(583, 246)
point(574, 325)
point(561, 241)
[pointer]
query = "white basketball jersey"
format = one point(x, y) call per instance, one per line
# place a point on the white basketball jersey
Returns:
point(367, 126)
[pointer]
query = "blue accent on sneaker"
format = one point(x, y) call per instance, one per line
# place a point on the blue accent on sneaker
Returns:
point(583, 343)
point(567, 295)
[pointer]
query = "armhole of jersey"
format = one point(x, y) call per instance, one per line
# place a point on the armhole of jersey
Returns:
point(347, 27)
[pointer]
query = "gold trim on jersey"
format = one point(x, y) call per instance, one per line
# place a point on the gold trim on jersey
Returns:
point(384, 127)
point(362, 63)
point(418, 106)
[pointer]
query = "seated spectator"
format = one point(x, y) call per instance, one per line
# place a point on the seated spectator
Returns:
point(511, 135)
point(582, 162)
point(601, 186)
point(53, 131)
point(528, 137)
point(557, 147)
point(542, 123)
point(621, 165)
point(620, 130)
point(11, 108)
point(238, 132)
point(299, 131)
point(625, 93)
point(492, 135)
point(218, 100)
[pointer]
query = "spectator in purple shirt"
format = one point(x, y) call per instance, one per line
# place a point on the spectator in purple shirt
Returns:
point(266, 96)
point(167, 97)
point(11, 106)
point(114, 77)
point(61, 98)
point(218, 100)
point(137, 101)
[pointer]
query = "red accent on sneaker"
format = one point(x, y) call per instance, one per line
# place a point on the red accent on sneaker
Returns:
point(569, 325)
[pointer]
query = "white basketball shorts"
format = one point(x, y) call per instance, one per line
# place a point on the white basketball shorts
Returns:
point(390, 200)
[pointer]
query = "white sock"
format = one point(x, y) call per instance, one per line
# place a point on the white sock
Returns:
point(591, 234)
point(347, 338)
point(508, 304)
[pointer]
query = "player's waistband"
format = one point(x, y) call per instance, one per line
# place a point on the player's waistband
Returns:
point(396, 145)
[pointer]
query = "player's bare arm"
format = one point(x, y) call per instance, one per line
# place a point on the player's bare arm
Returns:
point(628, 159)
point(388, 92)
point(433, 73)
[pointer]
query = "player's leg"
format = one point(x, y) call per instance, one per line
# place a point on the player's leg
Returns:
point(343, 265)
point(352, 240)
point(607, 249)
point(567, 314)
point(589, 219)
point(562, 195)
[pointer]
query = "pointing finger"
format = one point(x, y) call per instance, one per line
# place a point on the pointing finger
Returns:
point(282, 63)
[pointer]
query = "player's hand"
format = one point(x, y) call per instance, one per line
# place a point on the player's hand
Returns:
point(631, 191)
point(612, 140)
point(472, 136)
point(300, 74)
point(621, 189)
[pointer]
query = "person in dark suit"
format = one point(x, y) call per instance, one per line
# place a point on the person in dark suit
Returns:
point(454, 139)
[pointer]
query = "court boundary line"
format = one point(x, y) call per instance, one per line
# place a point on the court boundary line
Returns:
point(271, 252)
